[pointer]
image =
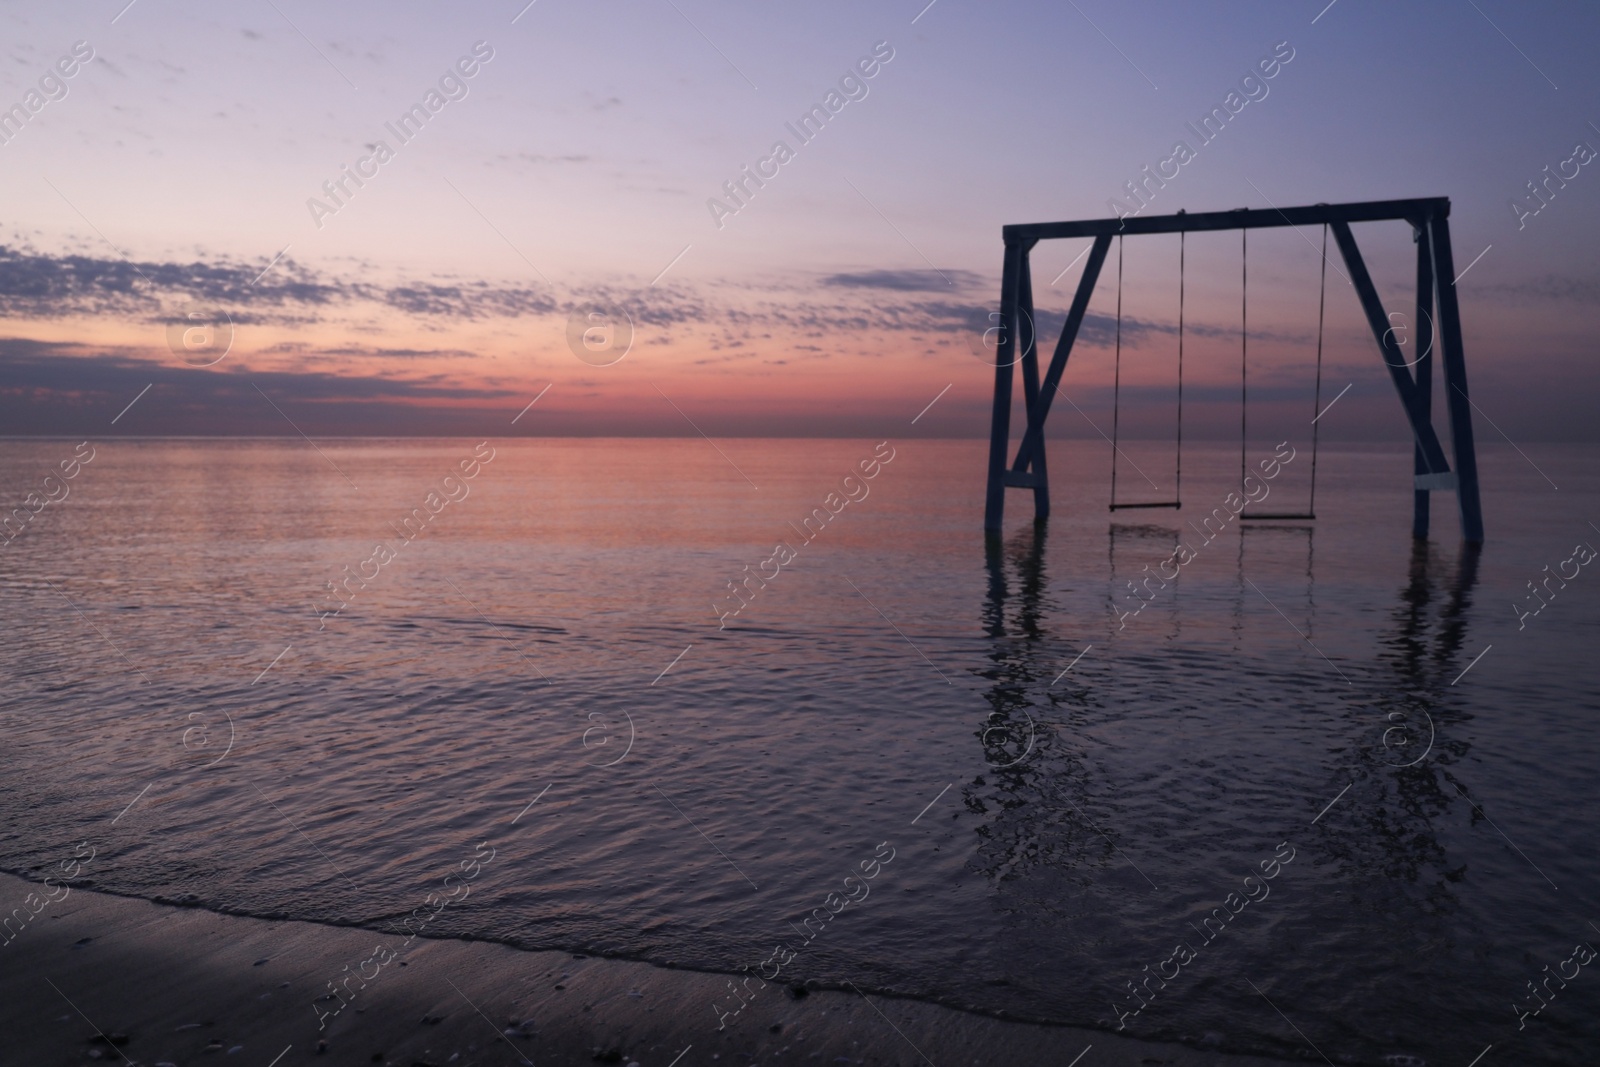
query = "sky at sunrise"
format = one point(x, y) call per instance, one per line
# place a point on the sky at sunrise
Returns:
point(520, 169)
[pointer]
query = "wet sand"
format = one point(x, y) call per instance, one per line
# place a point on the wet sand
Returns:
point(186, 986)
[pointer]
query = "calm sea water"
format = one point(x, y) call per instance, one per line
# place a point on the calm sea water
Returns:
point(1375, 709)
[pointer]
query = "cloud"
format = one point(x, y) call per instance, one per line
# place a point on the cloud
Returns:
point(399, 353)
point(1096, 331)
point(1548, 288)
point(907, 281)
point(41, 286)
point(302, 348)
point(37, 285)
point(470, 301)
point(60, 388)
point(538, 159)
point(725, 359)
point(71, 370)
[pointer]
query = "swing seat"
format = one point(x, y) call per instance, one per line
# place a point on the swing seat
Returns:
point(1154, 504)
point(1245, 516)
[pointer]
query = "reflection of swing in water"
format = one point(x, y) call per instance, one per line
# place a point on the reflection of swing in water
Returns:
point(1436, 303)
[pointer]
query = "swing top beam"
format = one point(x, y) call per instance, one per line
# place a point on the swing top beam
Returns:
point(1418, 212)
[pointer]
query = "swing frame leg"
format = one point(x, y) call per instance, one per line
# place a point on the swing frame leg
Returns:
point(1028, 470)
point(1030, 388)
point(1000, 422)
point(1422, 341)
point(1457, 402)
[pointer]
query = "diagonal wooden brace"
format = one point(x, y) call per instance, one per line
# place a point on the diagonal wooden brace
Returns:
point(1039, 410)
point(1421, 424)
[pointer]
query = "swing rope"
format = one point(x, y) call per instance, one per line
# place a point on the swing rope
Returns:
point(1244, 347)
point(1182, 234)
point(1116, 389)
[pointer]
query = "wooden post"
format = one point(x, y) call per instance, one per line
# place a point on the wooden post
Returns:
point(1422, 341)
point(1027, 339)
point(1000, 424)
point(1457, 402)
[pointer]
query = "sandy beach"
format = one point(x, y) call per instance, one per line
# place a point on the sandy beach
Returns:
point(102, 978)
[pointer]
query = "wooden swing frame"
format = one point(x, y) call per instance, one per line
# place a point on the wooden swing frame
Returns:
point(1435, 304)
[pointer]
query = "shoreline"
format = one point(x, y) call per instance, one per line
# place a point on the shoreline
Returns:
point(184, 984)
